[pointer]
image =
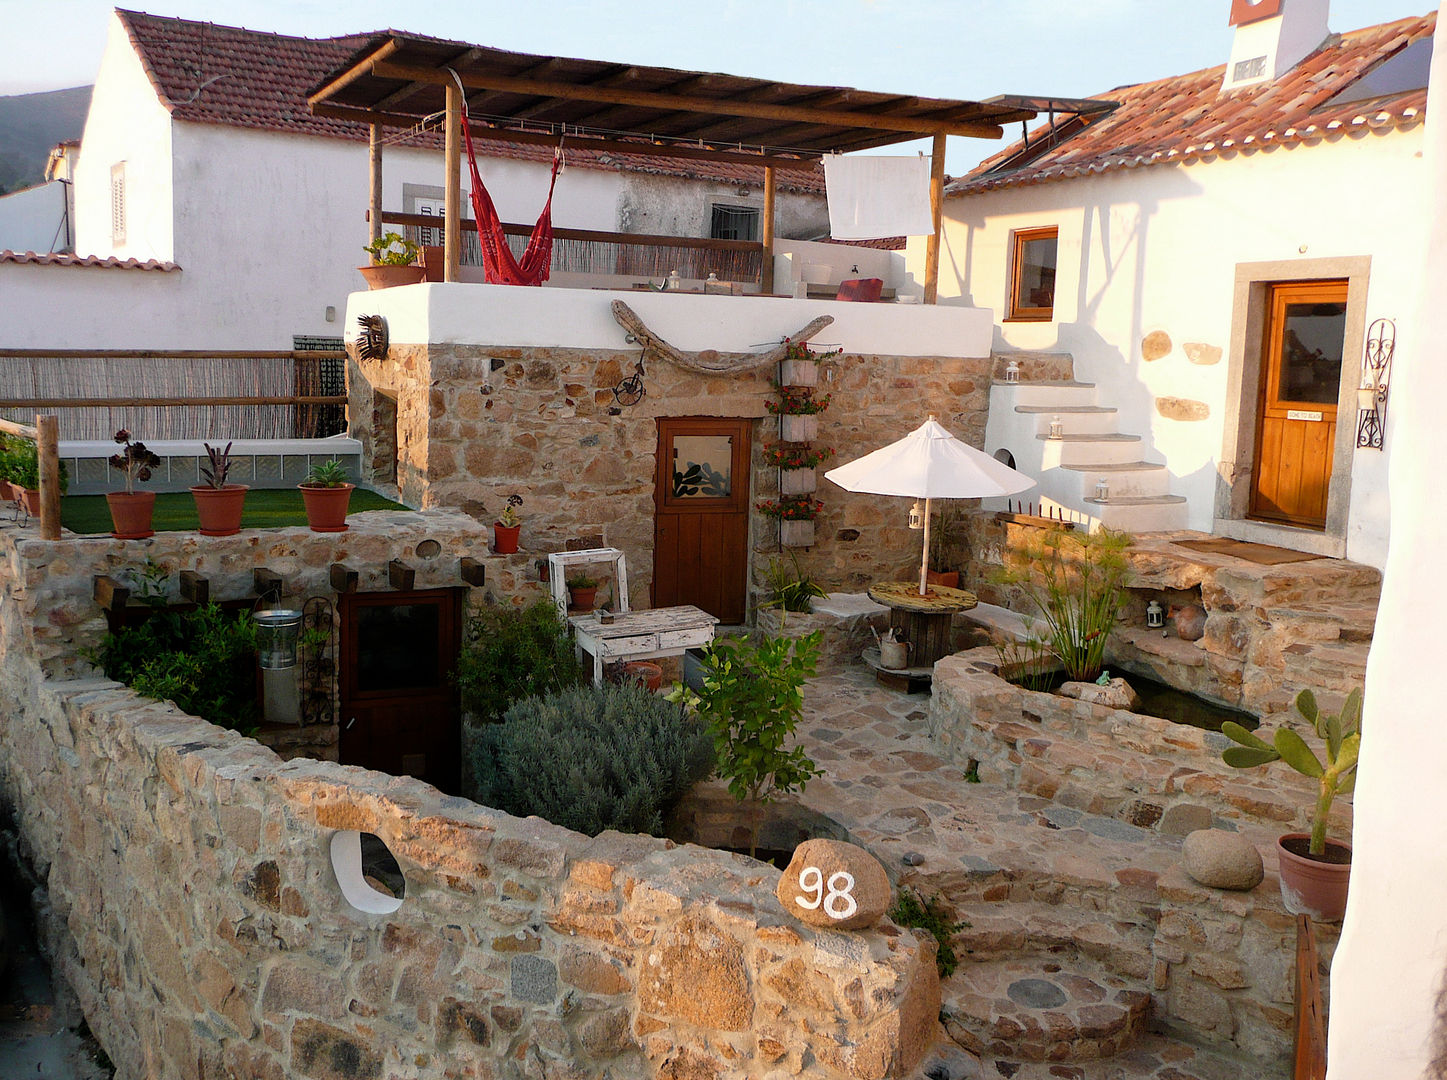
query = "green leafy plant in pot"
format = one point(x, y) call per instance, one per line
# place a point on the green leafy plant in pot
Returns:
point(20, 472)
point(1315, 871)
point(508, 526)
point(325, 492)
point(583, 592)
point(218, 504)
point(393, 262)
point(131, 510)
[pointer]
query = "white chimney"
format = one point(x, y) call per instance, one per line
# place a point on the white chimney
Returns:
point(1272, 37)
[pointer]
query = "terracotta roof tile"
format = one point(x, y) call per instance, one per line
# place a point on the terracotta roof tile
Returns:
point(107, 263)
point(1186, 117)
point(210, 74)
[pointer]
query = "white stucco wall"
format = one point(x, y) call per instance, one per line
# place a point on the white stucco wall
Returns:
point(1389, 968)
point(1156, 248)
point(126, 123)
point(34, 219)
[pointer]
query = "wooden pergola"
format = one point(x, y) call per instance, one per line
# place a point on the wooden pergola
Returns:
point(398, 81)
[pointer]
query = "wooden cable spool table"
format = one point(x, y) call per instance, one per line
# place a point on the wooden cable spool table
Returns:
point(923, 621)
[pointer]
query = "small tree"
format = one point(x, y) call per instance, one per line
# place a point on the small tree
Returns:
point(1077, 582)
point(509, 654)
point(751, 700)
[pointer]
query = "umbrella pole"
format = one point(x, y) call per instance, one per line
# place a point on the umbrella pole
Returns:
point(924, 558)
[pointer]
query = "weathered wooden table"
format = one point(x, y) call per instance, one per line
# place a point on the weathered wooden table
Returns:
point(641, 635)
point(922, 620)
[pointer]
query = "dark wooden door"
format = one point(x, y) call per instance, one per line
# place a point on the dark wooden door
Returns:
point(701, 515)
point(1296, 408)
point(399, 710)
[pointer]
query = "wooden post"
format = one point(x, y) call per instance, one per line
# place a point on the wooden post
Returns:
point(374, 146)
point(47, 446)
point(937, 208)
point(452, 192)
point(766, 274)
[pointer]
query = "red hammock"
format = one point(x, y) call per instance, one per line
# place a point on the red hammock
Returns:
point(498, 263)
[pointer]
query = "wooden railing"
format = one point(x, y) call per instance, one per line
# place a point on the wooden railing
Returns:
point(46, 436)
point(1309, 1025)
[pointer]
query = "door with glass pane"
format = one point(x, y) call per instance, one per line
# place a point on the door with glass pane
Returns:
point(701, 515)
point(1296, 415)
point(399, 711)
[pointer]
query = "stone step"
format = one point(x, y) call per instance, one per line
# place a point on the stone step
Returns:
point(1087, 449)
point(1047, 392)
point(1039, 1009)
point(1077, 419)
point(1143, 514)
point(1124, 478)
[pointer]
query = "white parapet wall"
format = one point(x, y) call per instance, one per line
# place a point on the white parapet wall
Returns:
point(582, 319)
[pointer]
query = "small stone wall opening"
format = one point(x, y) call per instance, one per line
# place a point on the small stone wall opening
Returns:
point(362, 862)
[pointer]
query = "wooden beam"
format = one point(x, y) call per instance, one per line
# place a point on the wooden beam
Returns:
point(109, 593)
point(194, 588)
point(936, 208)
point(264, 582)
point(25, 431)
point(342, 577)
point(47, 447)
point(170, 354)
point(374, 194)
point(141, 402)
point(401, 576)
point(473, 571)
point(359, 70)
point(766, 272)
point(452, 190)
point(665, 102)
point(594, 235)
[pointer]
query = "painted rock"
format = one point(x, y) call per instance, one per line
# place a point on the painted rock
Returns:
point(1221, 860)
point(833, 884)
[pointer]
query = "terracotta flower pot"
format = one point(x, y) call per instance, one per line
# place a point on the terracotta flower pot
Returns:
point(949, 579)
point(385, 277)
point(326, 507)
point(30, 499)
point(645, 672)
point(505, 538)
point(8, 491)
point(131, 514)
point(1314, 885)
point(219, 509)
point(584, 599)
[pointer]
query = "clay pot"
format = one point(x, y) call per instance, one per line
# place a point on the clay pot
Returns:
point(326, 507)
point(950, 579)
point(385, 277)
point(219, 509)
point(649, 674)
point(584, 599)
point(1190, 621)
point(1313, 885)
point(131, 514)
point(30, 499)
point(8, 491)
point(505, 538)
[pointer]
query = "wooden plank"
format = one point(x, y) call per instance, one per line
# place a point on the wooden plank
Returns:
point(176, 354)
point(25, 431)
point(374, 173)
point(674, 103)
point(343, 579)
point(474, 571)
point(766, 272)
point(401, 576)
point(47, 447)
point(937, 205)
point(195, 589)
point(359, 70)
point(109, 593)
point(392, 217)
point(266, 582)
point(1309, 1023)
point(452, 189)
point(101, 403)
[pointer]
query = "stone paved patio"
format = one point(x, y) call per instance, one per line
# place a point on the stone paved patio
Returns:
point(1074, 912)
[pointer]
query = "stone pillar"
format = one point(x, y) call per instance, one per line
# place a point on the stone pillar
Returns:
point(1389, 968)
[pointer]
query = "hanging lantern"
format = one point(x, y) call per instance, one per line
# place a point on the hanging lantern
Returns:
point(916, 516)
point(1155, 615)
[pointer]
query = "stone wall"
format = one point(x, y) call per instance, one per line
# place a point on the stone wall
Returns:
point(477, 423)
point(192, 905)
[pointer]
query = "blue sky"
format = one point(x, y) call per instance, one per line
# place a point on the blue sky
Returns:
point(969, 49)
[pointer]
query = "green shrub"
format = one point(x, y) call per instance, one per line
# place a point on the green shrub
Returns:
point(590, 758)
point(917, 913)
point(20, 464)
point(509, 654)
point(791, 591)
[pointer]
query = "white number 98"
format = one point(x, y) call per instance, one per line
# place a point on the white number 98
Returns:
point(836, 894)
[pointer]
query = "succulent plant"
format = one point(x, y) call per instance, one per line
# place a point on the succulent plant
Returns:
point(326, 474)
point(220, 459)
point(1342, 733)
point(134, 460)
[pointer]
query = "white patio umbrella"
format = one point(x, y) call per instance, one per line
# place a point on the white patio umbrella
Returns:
point(929, 463)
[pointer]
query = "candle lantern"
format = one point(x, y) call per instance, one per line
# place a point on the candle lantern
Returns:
point(1155, 615)
point(1102, 490)
point(1012, 371)
point(916, 516)
point(1057, 428)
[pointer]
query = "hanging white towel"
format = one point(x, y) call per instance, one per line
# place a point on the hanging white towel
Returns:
point(871, 197)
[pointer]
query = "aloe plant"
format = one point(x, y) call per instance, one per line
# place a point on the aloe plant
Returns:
point(1342, 733)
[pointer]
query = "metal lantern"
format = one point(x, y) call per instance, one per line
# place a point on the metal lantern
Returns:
point(1012, 371)
point(916, 516)
point(277, 631)
point(1057, 428)
point(1155, 615)
point(1102, 490)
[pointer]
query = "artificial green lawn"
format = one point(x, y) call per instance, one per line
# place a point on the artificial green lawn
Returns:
point(176, 510)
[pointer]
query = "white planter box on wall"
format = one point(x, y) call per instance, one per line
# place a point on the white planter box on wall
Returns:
point(798, 481)
point(799, 428)
point(796, 533)
point(798, 372)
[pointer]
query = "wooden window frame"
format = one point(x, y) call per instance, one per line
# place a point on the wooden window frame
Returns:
point(1019, 312)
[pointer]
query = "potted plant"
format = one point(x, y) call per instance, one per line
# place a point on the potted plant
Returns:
point(506, 528)
point(796, 516)
point(20, 473)
point(798, 411)
point(326, 492)
point(393, 259)
point(583, 592)
point(1315, 871)
point(790, 592)
point(796, 466)
point(131, 510)
point(800, 366)
point(218, 504)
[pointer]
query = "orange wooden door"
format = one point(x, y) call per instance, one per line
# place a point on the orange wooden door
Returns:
point(701, 515)
point(1296, 410)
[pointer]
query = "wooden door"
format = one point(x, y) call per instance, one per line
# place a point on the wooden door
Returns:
point(1296, 408)
point(701, 515)
point(399, 709)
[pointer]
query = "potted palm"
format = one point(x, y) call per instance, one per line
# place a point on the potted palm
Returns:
point(218, 504)
point(1315, 871)
point(325, 492)
point(506, 528)
point(131, 510)
point(393, 262)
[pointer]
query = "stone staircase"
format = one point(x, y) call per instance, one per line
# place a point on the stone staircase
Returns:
point(1090, 449)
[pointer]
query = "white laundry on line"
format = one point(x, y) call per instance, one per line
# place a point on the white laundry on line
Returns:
point(871, 197)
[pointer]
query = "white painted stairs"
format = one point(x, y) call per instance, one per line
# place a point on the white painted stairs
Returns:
point(1068, 469)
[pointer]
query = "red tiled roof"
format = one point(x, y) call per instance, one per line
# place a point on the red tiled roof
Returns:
point(108, 263)
point(210, 74)
point(1186, 117)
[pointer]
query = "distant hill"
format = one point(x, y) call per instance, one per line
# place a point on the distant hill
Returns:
point(30, 124)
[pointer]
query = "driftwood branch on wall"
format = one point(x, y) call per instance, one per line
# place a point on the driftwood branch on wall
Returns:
point(708, 361)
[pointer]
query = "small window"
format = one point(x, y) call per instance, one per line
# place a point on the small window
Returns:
point(734, 222)
point(1032, 277)
point(118, 203)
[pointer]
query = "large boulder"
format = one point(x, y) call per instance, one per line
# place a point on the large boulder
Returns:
point(1117, 694)
point(832, 884)
point(1221, 860)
